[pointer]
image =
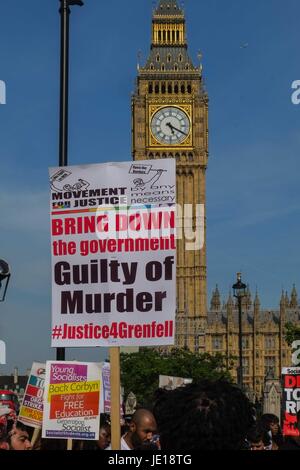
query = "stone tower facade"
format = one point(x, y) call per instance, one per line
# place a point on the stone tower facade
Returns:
point(170, 120)
point(265, 350)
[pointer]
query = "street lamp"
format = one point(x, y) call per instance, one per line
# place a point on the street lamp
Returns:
point(4, 277)
point(239, 291)
point(64, 98)
point(64, 78)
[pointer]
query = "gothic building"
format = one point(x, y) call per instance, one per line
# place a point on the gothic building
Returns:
point(264, 348)
point(170, 120)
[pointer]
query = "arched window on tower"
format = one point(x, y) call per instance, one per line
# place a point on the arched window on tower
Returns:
point(173, 36)
point(163, 88)
point(169, 36)
point(150, 88)
point(180, 58)
point(176, 89)
point(170, 88)
point(163, 68)
point(189, 89)
point(164, 36)
point(169, 58)
point(177, 36)
point(182, 89)
point(151, 67)
point(156, 88)
point(175, 67)
point(157, 58)
point(159, 35)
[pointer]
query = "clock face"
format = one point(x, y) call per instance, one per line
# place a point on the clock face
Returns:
point(170, 125)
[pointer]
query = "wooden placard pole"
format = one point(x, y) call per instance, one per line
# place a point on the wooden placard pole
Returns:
point(114, 354)
point(36, 436)
point(70, 444)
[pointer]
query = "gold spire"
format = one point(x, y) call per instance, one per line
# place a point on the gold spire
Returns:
point(168, 25)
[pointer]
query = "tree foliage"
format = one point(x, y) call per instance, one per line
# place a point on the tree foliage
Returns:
point(140, 371)
point(292, 333)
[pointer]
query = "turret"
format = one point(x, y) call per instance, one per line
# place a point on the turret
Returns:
point(294, 298)
point(287, 301)
point(215, 303)
point(256, 306)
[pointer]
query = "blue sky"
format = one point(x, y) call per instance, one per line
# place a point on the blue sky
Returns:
point(252, 179)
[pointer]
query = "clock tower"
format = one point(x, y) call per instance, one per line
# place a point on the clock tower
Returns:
point(170, 120)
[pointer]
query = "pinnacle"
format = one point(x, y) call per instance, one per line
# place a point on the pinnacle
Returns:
point(168, 7)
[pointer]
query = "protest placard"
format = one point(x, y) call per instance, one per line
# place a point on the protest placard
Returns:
point(170, 383)
point(105, 402)
point(105, 389)
point(31, 410)
point(72, 400)
point(290, 400)
point(113, 254)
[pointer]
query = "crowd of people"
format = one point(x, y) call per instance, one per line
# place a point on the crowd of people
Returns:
point(208, 415)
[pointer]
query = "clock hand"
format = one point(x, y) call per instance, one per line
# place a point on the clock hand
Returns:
point(175, 128)
point(178, 130)
point(171, 127)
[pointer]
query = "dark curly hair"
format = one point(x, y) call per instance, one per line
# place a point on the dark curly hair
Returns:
point(265, 422)
point(209, 415)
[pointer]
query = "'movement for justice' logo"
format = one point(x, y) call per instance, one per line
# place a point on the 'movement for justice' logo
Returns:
point(146, 187)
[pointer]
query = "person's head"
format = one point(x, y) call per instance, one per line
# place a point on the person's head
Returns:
point(104, 432)
point(209, 415)
point(104, 437)
point(270, 422)
point(258, 439)
point(142, 427)
point(18, 437)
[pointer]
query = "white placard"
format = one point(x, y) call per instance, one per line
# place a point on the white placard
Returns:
point(113, 254)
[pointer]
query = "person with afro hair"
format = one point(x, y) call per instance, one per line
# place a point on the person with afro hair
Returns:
point(208, 415)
